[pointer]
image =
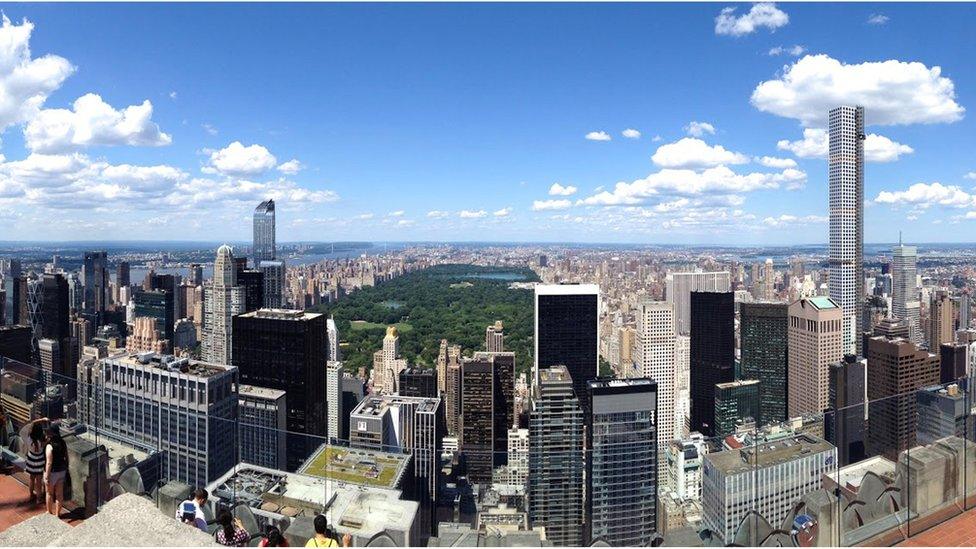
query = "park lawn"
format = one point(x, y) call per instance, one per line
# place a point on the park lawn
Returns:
point(366, 325)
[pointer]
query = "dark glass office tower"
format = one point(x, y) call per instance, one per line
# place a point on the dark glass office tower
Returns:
point(503, 402)
point(252, 280)
point(556, 458)
point(844, 422)
point(287, 350)
point(157, 304)
point(952, 362)
point(712, 354)
point(418, 382)
point(476, 422)
point(763, 331)
point(10, 277)
point(621, 462)
point(566, 330)
point(735, 402)
point(94, 277)
point(264, 232)
point(122, 274)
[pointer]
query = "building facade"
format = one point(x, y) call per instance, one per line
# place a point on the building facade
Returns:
point(678, 291)
point(764, 342)
point(815, 341)
point(567, 330)
point(264, 232)
point(712, 354)
point(223, 299)
point(845, 165)
point(262, 419)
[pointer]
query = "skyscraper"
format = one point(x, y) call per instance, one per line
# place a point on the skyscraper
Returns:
point(495, 337)
point(712, 325)
point(815, 343)
point(846, 183)
point(122, 274)
point(94, 276)
point(556, 457)
point(262, 417)
point(333, 332)
point(678, 291)
point(157, 304)
point(487, 411)
point(567, 330)
point(333, 399)
point(621, 462)
point(223, 299)
point(10, 277)
point(735, 402)
point(896, 370)
point(941, 321)
point(763, 334)
point(264, 232)
point(844, 423)
point(654, 353)
point(904, 296)
point(417, 382)
point(287, 350)
point(193, 427)
point(274, 283)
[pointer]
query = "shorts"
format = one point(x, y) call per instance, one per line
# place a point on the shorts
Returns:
point(56, 477)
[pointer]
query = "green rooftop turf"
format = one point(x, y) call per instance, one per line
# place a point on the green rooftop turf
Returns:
point(350, 467)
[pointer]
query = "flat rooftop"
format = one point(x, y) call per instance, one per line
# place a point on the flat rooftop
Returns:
point(357, 466)
point(360, 510)
point(377, 405)
point(281, 314)
point(851, 476)
point(253, 391)
point(766, 454)
point(169, 363)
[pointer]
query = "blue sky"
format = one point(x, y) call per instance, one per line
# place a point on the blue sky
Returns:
point(454, 122)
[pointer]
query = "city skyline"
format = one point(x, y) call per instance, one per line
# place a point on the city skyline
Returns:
point(521, 144)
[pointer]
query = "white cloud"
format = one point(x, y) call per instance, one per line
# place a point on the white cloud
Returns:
point(795, 51)
point(786, 220)
point(560, 204)
point(504, 212)
point(365, 216)
point(173, 95)
point(91, 121)
point(558, 190)
point(774, 162)
point(631, 133)
point(717, 181)
point(209, 128)
point(878, 19)
point(398, 213)
point(762, 14)
point(437, 214)
point(970, 175)
point(405, 222)
point(75, 181)
point(598, 136)
point(291, 167)
point(877, 148)
point(25, 82)
point(656, 138)
point(472, 214)
point(892, 92)
point(925, 195)
point(690, 152)
point(239, 160)
point(698, 129)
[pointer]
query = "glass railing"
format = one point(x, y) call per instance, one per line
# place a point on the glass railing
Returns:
point(874, 474)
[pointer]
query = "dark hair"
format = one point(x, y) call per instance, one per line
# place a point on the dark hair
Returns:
point(56, 442)
point(227, 521)
point(321, 525)
point(37, 432)
point(274, 537)
point(201, 494)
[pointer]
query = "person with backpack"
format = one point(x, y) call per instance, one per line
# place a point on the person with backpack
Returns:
point(324, 537)
point(191, 510)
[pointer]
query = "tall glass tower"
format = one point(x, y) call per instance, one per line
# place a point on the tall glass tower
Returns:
point(264, 232)
point(846, 183)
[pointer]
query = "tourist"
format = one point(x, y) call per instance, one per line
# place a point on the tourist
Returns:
point(191, 510)
point(55, 470)
point(273, 538)
point(324, 537)
point(36, 459)
point(231, 532)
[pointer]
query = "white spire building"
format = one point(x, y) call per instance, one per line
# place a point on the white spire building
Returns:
point(846, 184)
point(223, 299)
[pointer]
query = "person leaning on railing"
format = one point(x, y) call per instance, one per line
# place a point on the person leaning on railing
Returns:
point(324, 537)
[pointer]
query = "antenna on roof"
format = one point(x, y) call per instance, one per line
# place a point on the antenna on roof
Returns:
point(899, 238)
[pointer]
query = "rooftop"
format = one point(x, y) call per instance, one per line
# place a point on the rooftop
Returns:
point(767, 454)
point(822, 302)
point(253, 391)
point(281, 314)
point(377, 405)
point(357, 466)
point(169, 363)
point(852, 475)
